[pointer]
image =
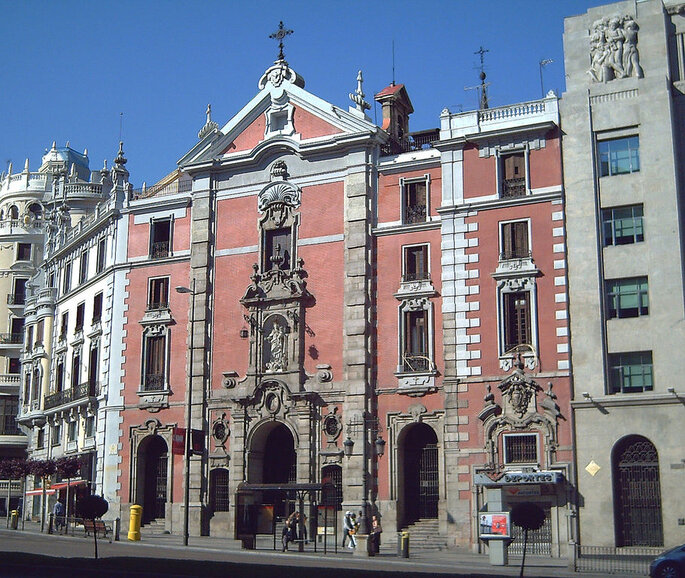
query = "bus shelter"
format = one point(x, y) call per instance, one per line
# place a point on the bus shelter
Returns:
point(261, 509)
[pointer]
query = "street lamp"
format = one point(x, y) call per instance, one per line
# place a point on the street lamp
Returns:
point(189, 407)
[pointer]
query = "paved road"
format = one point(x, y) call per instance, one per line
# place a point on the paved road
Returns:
point(29, 553)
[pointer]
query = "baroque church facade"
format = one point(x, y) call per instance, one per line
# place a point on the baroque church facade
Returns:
point(317, 312)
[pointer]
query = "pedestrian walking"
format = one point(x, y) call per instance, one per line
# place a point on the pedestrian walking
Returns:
point(349, 530)
point(58, 514)
point(288, 531)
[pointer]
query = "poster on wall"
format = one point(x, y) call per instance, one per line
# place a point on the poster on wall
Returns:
point(494, 525)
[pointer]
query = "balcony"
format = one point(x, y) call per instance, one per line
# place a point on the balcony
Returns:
point(157, 306)
point(414, 214)
point(416, 362)
point(159, 250)
point(11, 338)
point(79, 392)
point(513, 188)
point(154, 382)
point(416, 141)
point(16, 299)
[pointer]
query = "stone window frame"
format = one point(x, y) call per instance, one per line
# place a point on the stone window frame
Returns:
point(137, 434)
point(154, 222)
point(152, 331)
point(405, 253)
point(517, 285)
point(415, 304)
point(502, 238)
point(504, 436)
point(404, 182)
point(501, 152)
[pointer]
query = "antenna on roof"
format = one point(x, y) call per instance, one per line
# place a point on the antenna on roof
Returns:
point(482, 87)
point(121, 124)
point(393, 62)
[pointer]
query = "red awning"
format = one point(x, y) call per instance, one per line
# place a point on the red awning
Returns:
point(55, 487)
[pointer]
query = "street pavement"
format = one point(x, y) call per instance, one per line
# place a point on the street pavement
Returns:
point(28, 553)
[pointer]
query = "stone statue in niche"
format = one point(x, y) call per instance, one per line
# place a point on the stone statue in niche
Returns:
point(613, 49)
point(276, 341)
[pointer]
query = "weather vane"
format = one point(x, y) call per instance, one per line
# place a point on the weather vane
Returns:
point(279, 35)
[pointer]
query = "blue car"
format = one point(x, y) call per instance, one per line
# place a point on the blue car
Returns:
point(670, 564)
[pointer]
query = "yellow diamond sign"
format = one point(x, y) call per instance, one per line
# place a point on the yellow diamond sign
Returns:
point(592, 468)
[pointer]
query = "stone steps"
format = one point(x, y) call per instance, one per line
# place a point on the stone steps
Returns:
point(425, 535)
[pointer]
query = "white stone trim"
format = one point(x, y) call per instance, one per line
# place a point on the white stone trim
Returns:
point(562, 331)
point(560, 263)
point(560, 297)
point(560, 314)
point(560, 281)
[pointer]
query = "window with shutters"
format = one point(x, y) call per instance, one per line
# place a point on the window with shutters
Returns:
point(415, 200)
point(158, 293)
point(513, 175)
point(415, 266)
point(160, 238)
point(154, 366)
point(514, 241)
point(517, 321)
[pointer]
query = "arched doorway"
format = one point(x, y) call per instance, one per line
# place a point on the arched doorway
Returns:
point(152, 477)
point(637, 493)
point(419, 480)
point(272, 460)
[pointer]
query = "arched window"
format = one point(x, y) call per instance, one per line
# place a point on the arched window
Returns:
point(219, 498)
point(36, 210)
point(637, 493)
point(14, 212)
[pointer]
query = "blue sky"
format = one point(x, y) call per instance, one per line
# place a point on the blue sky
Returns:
point(69, 68)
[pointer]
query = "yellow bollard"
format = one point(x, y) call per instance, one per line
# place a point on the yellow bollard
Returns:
point(134, 523)
point(14, 519)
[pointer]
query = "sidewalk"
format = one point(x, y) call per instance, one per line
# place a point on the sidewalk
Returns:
point(452, 561)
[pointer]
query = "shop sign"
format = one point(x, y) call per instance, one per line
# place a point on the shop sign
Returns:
point(516, 478)
point(524, 490)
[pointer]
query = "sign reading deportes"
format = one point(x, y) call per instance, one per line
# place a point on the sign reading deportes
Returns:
point(513, 478)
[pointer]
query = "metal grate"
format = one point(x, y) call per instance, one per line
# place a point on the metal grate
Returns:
point(160, 487)
point(220, 498)
point(539, 541)
point(637, 494)
point(428, 482)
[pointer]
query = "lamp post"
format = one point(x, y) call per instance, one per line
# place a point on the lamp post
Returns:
point(544, 62)
point(189, 407)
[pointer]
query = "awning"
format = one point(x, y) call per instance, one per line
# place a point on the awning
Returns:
point(56, 487)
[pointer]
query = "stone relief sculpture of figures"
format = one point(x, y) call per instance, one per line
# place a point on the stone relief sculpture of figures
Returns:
point(613, 49)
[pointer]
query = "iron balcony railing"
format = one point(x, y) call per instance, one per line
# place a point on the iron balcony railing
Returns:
point(154, 382)
point(514, 188)
point(416, 276)
point(159, 250)
point(76, 393)
point(515, 254)
point(414, 214)
point(157, 305)
point(11, 338)
point(16, 299)
point(415, 141)
point(415, 362)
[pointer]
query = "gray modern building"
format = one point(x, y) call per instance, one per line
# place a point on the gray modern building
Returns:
point(622, 119)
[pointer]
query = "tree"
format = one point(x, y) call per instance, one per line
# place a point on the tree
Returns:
point(42, 469)
point(528, 516)
point(90, 508)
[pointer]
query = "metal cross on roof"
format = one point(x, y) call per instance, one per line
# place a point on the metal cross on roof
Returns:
point(279, 35)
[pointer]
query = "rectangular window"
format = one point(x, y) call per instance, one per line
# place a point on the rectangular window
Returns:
point(415, 202)
point(100, 261)
point(9, 408)
point(80, 316)
point(64, 325)
point(75, 369)
point(630, 372)
point(158, 293)
point(619, 156)
point(17, 335)
point(416, 263)
point(160, 238)
point(66, 281)
point(93, 369)
point(56, 434)
point(83, 267)
point(520, 448)
point(90, 426)
point(623, 225)
point(23, 251)
point(277, 247)
point(627, 297)
point(13, 365)
point(97, 308)
point(155, 361)
point(40, 439)
point(72, 431)
point(40, 332)
point(514, 240)
point(59, 379)
point(29, 338)
point(416, 341)
point(513, 167)
point(19, 295)
point(516, 319)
